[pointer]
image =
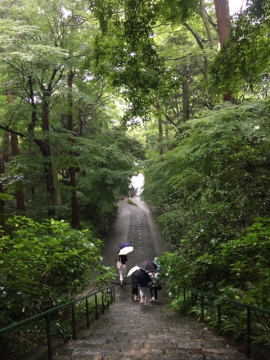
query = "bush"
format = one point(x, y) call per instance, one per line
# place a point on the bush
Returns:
point(44, 265)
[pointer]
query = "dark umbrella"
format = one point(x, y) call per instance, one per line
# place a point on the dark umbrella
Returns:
point(147, 265)
point(158, 266)
point(125, 244)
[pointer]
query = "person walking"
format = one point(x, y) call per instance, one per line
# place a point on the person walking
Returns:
point(143, 281)
point(155, 287)
point(123, 268)
point(134, 286)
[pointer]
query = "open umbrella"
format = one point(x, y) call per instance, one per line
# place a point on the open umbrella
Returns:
point(132, 270)
point(126, 250)
point(124, 244)
point(148, 265)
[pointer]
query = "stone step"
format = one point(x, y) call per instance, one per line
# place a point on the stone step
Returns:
point(132, 331)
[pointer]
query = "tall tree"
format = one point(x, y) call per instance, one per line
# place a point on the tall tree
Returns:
point(4, 157)
point(19, 184)
point(224, 28)
point(223, 20)
point(38, 71)
point(72, 170)
point(242, 64)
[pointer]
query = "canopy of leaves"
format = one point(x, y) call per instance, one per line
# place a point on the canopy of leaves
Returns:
point(64, 118)
point(243, 62)
point(127, 50)
point(53, 40)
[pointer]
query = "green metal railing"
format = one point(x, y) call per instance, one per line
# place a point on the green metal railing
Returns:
point(249, 309)
point(107, 298)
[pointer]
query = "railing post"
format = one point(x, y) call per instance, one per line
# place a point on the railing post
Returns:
point(87, 313)
point(248, 333)
point(111, 294)
point(73, 322)
point(202, 306)
point(219, 315)
point(107, 298)
point(49, 342)
point(96, 304)
point(102, 301)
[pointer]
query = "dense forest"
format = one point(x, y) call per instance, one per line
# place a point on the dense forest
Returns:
point(95, 91)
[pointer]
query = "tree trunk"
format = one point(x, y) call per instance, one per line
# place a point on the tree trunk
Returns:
point(75, 222)
point(46, 151)
point(15, 152)
point(19, 184)
point(160, 136)
point(58, 198)
point(224, 29)
point(203, 14)
point(160, 130)
point(167, 148)
point(223, 20)
point(3, 160)
point(185, 96)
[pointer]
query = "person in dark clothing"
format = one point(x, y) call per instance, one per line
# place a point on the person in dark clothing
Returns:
point(143, 280)
point(134, 286)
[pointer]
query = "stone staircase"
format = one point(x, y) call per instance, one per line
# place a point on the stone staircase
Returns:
point(132, 331)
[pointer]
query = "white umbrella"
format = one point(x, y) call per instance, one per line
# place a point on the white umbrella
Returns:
point(126, 250)
point(132, 270)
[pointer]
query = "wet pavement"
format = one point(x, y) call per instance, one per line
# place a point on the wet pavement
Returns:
point(131, 331)
point(136, 225)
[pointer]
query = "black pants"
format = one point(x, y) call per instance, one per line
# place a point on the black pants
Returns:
point(153, 292)
point(134, 291)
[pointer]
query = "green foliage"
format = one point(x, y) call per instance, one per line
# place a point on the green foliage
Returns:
point(44, 265)
point(177, 10)
point(210, 188)
point(130, 54)
point(218, 170)
point(249, 263)
point(242, 64)
point(107, 163)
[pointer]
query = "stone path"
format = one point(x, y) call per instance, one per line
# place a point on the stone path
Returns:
point(131, 331)
point(134, 224)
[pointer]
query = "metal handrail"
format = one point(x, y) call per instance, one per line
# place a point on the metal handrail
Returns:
point(248, 308)
point(108, 293)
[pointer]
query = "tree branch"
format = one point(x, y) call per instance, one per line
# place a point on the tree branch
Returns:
point(6, 128)
point(196, 36)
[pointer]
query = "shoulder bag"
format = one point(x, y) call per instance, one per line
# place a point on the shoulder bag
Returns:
point(119, 265)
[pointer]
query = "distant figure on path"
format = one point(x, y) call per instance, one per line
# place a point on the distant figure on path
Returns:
point(134, 286)
point(123, 270)
point(143, 280)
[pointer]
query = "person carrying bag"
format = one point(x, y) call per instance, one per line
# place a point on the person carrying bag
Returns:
point(121, 266)
point(143, 282)
point(155, 286)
